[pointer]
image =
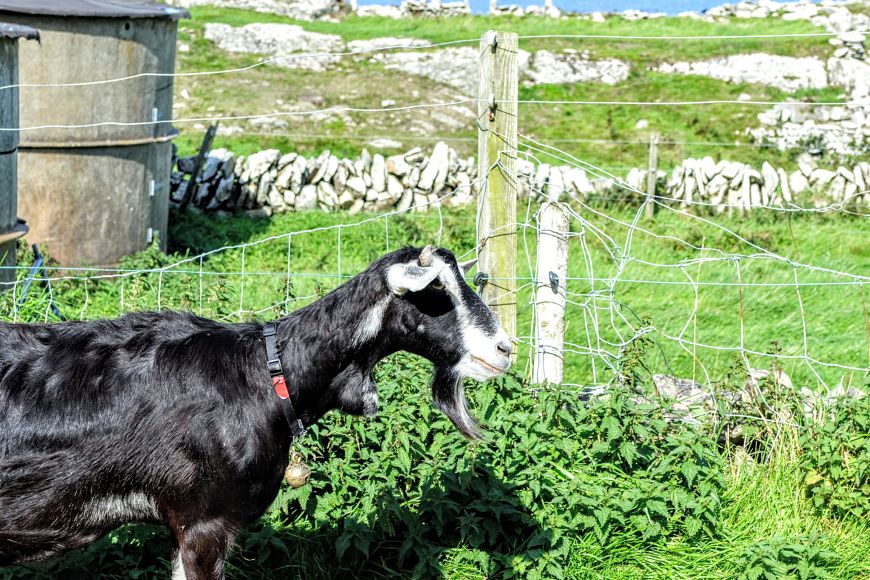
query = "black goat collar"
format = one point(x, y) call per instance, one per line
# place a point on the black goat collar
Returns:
point(279, 383)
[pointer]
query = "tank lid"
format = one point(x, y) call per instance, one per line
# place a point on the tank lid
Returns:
point(17, 31)
point(94, 8)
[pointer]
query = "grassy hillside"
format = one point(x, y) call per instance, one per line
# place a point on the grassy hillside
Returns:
point(360, 83)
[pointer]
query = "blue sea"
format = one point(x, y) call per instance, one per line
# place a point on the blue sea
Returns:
point(669, 6)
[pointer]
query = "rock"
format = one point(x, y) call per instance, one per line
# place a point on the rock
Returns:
point(289, 198)
point(346, 200)
point(259, 213)
point(286, 160)
point(326, 196)
point(771, 182)
point(819, 178)
point(570, 67)
point(307, 198)
point(395, 188)
point(732, 170)
point(265, 185)
point(453, 66)
point(258, 164)
point(379, 173)
point(556, 187)
point(322, 165)
point(837, 188)
point(224, 190)
point(433, 177)
point(851, 74)
point(641, 124)
point(279, 41)
point(396, 165)
point(356, 185)
point(412, 178)
point(285, 177)
point(405, 202)
point(784, 185)
point(356, 206)
point(798, 183)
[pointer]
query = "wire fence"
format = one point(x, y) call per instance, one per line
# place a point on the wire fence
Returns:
point(706, 295)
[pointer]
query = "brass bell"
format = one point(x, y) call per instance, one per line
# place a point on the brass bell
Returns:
point(297, 473)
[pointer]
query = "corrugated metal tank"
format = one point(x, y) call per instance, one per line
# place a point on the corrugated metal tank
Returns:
point(10, 229)
point(97, 192)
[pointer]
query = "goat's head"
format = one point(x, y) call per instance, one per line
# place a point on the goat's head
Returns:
point(440, 318)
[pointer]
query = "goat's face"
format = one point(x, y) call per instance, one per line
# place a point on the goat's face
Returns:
point(441, 318)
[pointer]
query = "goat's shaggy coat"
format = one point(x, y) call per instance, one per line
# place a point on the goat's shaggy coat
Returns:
point(171, 418)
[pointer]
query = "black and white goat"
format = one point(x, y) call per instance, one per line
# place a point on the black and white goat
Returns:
point(170, 418)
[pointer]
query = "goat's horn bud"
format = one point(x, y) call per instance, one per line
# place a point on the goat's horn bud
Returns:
point(426, 256)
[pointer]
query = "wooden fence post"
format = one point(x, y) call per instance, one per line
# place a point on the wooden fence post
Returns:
point(652, 170)
point(497, 155)
point(550, 295)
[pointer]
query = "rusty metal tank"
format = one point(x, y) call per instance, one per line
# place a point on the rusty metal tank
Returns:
point(10, 229)
point(99, 190)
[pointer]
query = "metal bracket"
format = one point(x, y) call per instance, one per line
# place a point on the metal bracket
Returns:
point(554, 282)
point(493, 41)
point(481, 279)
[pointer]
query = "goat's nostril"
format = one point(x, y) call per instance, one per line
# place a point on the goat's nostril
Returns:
point(505, 348)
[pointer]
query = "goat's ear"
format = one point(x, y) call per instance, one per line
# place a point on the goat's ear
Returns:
point(412, 277)
point(467, 266)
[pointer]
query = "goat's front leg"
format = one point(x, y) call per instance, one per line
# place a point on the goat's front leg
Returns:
point(202, 547)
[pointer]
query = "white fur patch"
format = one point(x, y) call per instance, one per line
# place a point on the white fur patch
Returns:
point(178, 569)
point(371, 322)
point(478, 344)
point(370, 403)
point(132, 507)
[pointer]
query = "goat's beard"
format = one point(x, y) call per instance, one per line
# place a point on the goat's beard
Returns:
point(448, 392)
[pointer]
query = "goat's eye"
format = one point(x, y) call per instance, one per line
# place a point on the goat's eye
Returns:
point(437, 285)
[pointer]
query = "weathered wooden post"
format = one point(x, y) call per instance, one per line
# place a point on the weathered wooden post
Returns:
point(550, 293)
point(652, 170)
point(497, 155)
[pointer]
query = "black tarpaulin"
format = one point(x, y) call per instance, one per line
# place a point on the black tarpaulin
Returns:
point(93, 8)
point(18, 31)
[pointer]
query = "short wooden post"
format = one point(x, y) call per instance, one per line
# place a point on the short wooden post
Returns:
point(497, 155)
point(652, 170)
point(550, 296)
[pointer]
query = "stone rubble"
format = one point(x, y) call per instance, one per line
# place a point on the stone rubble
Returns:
point(292, 182)
point(693, 402)
point(283, 42)
point(844, 131)
point(786, 73)
point(456, 67)
point(575, 67)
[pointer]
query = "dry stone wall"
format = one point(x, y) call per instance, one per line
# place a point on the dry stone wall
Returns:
point(268, 182)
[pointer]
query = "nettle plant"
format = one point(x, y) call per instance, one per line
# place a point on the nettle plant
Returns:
point(409, 489)
point(836, 458)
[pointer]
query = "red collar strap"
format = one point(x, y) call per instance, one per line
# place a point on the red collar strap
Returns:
point(279, 383)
